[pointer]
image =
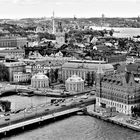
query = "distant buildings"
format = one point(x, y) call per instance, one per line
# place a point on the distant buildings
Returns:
point(13, 53)
point(12, 42)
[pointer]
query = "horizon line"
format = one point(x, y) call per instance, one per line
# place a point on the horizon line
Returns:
point(63, 17)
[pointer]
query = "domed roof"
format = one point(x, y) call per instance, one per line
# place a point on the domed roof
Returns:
point(74, 78)
point(39, 76)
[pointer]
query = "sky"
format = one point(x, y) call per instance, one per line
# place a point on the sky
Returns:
point(69, 8)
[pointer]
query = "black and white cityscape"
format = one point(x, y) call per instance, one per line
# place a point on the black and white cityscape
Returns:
point(70, 70)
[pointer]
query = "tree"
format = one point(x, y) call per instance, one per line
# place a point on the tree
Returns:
point(4, 74)
point(111, 32)
point(56, 74)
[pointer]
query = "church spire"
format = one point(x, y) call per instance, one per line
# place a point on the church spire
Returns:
point(100, 70)
point(53, 22)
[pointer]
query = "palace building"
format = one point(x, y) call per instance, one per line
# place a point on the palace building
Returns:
point(119, 90)
point(82, 67)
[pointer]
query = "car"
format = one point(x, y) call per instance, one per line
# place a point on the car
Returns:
point(7, 119)
point(6, 114)
point(56, 104)
point(81, 101)
point(63, 105)
point(47, 109)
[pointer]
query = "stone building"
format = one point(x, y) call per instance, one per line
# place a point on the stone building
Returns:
point(82, 67)
point(21, 77)
point(39, 80)
point(74, 84)
point(13, 53)
point(14, 67)
point(118, 90)
point(13, 42)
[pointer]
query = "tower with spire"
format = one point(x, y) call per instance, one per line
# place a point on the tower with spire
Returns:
point(99, 75)
point(53, 23)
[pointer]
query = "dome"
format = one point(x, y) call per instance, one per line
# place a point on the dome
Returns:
point(74, 78)
point(39, 76)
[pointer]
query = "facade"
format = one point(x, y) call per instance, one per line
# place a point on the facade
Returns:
point(14, 67)
point(74, 84)
point(21, 77)
point(12, 42)
point(39, 80)
point(47, 63)
point(82, 67)
point(13, 53)
point(118, 90)
point(131, 59)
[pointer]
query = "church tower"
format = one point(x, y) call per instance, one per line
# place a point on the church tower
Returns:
point(60, 35)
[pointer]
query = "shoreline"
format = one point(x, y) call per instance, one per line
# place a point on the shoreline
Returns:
point(113, 121)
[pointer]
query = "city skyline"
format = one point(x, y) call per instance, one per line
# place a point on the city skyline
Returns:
point(16, 9)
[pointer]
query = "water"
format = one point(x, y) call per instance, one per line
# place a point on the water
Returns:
point(72, 128)
point(78, 128)
point(121, 32)
point(20, 102)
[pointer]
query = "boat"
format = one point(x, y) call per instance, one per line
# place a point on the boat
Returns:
point(26, 94)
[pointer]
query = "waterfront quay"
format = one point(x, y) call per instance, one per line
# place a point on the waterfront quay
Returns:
point(118, 119)
point(36, 115)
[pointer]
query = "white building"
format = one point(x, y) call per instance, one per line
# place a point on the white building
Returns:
point(74, 84)
point(39, 80)
point(21, 77)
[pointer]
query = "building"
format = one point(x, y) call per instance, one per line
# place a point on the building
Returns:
point(47, 63)
point(60, 35)
point(13, 53)
point(14, 67)
point(82, 67)
point(21, 77)
point(39, 80)
point(12, 42)
point(132, 59)
point(74, 84)
point(119, 90)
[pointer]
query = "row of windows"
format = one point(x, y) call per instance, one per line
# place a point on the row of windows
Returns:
point(122, 100)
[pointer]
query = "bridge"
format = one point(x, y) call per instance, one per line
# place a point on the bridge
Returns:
point(20, 121)
point(36, 120)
